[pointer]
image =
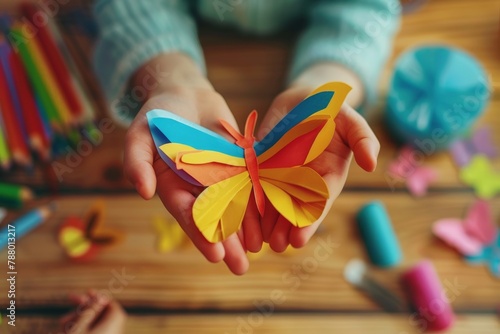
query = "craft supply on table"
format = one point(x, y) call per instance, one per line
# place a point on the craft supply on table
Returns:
point(377, 233)
point(476, 236)
point(84, 238)
point(428, 297)
point(43, 103)
point(235, 173)
point(24, 224)
point(169, 235)
point(14, 196)
point(357, 273)
point(481, 175)
point(408, 167)
point(480, 142)
point(435, 96)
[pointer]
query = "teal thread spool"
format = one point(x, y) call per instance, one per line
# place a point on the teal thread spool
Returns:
point(378, 235)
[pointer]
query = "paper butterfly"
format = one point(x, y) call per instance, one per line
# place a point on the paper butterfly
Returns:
point(476, 236)
point(236, 172)
point(83, 239)
point(169, 234)
point(406, 168)
point(490, 255)
point(481, 176)
point(480, 142)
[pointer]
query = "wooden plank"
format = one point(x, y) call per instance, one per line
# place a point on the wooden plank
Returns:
point(273, 323)
point(310, 279)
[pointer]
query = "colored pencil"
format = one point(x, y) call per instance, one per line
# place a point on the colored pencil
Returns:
point(36, 80)
point(48, 78)
point(25, 224)
point(32, 119)
point(5, 52)
point(18, 147)
point(3, 214)
point(56, 61)
point(14, 196)
point(47, 129)
point(4, 147)
point(88, 110)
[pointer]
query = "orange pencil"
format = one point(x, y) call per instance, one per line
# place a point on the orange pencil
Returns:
point(18, 147)
point(32, 119)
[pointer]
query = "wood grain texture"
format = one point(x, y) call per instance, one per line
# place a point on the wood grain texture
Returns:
point(275, 323)
point(310, 279)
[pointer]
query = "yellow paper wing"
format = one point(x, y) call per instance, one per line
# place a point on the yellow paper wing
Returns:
point(206, 167)
point(219, 209)
point(299, 194)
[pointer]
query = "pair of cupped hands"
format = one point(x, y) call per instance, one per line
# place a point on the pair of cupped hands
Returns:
point(186, 92)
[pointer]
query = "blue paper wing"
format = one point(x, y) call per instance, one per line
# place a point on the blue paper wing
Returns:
point(306, 108)
point(167, 127)
point(175, 129)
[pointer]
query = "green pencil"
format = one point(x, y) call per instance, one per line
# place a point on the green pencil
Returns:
point(14, 196)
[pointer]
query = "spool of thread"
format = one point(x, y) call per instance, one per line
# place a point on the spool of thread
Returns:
point(436, 95)
point(378, 235)
point(428, 296)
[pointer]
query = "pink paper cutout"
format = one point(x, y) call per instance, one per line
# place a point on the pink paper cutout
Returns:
point(470, 235)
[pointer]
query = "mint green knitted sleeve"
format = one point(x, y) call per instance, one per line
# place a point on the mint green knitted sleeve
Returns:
point(355, 33)
point(131, 32)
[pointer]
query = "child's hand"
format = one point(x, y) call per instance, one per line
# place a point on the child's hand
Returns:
point(190, 96)
point(352, 134)
point(94, 314)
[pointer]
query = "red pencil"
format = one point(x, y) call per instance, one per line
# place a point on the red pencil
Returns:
point(34, 126)
point(56, 61)
point(18, 147)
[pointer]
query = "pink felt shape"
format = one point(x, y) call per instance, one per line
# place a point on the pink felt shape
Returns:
point(468, 236)
point(418, 182)
point(406, 167)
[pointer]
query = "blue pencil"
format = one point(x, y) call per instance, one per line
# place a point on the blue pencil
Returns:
point(24, 224)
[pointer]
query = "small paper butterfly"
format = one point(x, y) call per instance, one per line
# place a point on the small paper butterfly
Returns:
point(417, 177)
point(476, 236)
point(169, 234)
point(480, 142)
point(83, 239)
point(235, 173)
point(481, 176)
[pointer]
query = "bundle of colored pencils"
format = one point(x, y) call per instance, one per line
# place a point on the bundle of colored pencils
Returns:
point(42, 99)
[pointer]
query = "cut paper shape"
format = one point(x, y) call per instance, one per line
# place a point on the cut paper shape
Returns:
point(429, 98)
point(169, 234)
point(476, 237)
point(480, 175)
point(471, 234)
point(417, 178)
point(489, 255)
point(481, 142)
point(83, 239)
point(236, 172)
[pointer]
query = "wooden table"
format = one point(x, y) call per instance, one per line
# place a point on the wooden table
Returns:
point(180, 292)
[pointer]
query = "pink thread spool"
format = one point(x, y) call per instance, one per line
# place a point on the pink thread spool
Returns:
point(428, 297)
